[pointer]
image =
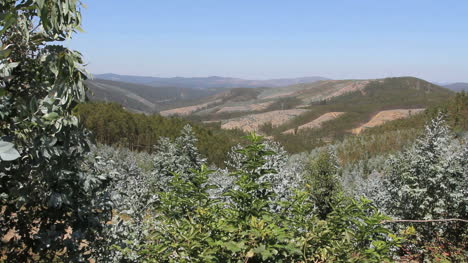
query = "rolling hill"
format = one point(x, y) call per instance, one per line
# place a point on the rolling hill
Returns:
point(300, 117)
point(142, 98)
point(387, 113)
point(319, 111)
point(391, 92)
point(327, 109)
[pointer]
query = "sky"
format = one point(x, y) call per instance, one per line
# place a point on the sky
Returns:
point(262, 39)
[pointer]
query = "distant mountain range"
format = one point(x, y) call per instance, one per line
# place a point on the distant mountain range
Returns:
point(198, 96)
point(459, 86)
point(206, 82)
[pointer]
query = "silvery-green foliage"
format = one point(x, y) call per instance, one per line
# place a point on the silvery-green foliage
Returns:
point(429, 180)
point(8, 152)
point(273, 162)
point(187, 146)
point(372, 187)
point(130, 197)
point(288, 169)
point(222, 180)
point(179, 156)
point(359, 178)
point(138, 177)
point(192, 227)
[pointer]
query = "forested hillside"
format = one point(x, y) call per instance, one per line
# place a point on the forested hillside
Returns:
point(358, 108)
point(143, 98)
point(396, 135)
point(111, 124)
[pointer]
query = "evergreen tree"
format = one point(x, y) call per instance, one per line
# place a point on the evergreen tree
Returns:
point(186, 144)
point(322, 177)
point(430, 181)
point(176, 157)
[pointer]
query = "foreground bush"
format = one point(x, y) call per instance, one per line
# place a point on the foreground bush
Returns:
point(189, 226)
point(429, 181)
point(50, 208)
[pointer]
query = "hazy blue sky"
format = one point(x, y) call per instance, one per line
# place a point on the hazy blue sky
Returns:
point(274, 39)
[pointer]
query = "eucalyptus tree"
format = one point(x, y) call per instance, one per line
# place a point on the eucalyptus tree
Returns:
point(177, 156)
point(430, 181)
point(48, 203)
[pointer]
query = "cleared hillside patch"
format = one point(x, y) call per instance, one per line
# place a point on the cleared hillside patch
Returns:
point(317, 123)
point(385, 116)
point(184, 111)
point(240, 108)
point(252, 122)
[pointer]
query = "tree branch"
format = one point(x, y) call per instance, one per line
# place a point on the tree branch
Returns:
point(423, 221)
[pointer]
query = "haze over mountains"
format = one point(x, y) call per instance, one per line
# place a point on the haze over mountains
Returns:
point(206, 82)
point(153, 94)
point(143, 98)
point(228, 82)
point(459, 86)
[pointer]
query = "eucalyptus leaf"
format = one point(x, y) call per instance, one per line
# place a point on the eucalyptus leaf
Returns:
point(5, 53)
point(51, 116)
point(8, 152)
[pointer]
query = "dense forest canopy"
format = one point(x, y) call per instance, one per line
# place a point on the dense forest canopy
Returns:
point(111, 124)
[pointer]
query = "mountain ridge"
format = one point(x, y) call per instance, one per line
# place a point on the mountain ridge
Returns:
point(140, 97)
point(207, 82)
point(457, 86)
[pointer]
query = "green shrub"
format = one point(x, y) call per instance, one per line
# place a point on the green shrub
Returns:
point(190, 226)
point(322, 176)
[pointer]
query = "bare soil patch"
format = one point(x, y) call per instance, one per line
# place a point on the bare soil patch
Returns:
point(317, 123)
point(251, 107)
point(384, 116)
point(280, 95)
point(351, 87)
point(252, 122)
point(184, 111)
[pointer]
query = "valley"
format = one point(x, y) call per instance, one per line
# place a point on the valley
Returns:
point(300, 116)
point(346, 106)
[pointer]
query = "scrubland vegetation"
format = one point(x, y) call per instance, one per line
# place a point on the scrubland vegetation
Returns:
point(64, 199)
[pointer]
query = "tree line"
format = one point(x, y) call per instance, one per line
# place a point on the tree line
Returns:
point(111, 124)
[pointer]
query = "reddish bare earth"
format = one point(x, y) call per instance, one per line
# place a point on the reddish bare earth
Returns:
point(251, 107)
point(252, 122)
point(317, 123)
point(280, 95)
point(184, 111)
point(384, 116)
